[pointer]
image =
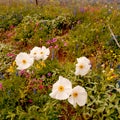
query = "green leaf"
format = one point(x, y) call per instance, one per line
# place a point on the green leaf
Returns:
point(33, 108)
point(11, 115)
point(112, 98)
point(100, 110)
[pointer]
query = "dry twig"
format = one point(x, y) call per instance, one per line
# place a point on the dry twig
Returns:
point(114, 36)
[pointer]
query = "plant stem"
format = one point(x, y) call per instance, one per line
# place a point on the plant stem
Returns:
point(114, 36)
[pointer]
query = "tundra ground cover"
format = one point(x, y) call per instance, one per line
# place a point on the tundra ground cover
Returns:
point(69, 33)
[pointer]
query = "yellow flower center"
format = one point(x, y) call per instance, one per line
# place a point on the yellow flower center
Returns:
point(24, 61)
point(61, 88)
point(81, 66)
point(35, 53)
point(41, 52)
point(75, 94)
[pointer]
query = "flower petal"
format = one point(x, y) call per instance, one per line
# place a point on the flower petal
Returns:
point(72, 101)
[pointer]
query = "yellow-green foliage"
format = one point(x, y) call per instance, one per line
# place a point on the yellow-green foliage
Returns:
point(70, 32)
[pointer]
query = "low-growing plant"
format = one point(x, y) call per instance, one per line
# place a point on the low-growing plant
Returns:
point(7, 56)
point(80, 54)
point(34, 28)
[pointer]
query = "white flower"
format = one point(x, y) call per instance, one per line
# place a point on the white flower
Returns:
point(44, 53)
point(83, 66)
point(83, 59)
point(61, 89)
point(78, 96)
point(35, 53)
point(23, 61)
